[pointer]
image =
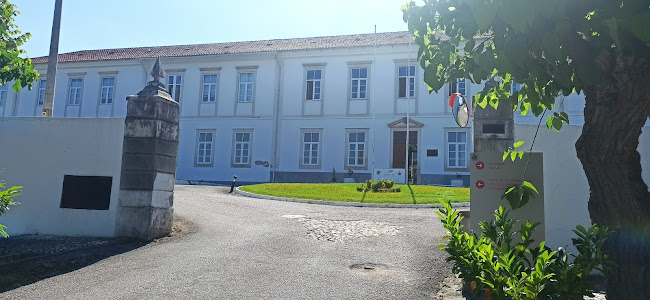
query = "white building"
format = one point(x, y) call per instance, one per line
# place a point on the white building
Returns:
point(306, 106)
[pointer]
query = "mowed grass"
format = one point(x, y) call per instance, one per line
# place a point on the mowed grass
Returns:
point(347, 192)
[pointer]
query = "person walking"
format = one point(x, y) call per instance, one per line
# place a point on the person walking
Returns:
point(234, 182)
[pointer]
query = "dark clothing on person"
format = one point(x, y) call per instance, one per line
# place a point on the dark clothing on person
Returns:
point(232, 186)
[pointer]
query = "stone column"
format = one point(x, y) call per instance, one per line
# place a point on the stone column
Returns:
point(493, 129)
point(149, 162)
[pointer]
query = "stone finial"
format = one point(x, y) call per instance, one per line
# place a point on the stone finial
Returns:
point(156, 71)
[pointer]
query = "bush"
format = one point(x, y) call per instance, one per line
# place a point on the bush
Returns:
point(378, 186)
point(6, 200)
point(504, 269)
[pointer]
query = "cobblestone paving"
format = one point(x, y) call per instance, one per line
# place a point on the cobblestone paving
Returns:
point(340, 231)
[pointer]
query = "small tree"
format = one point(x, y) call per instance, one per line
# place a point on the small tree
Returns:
point(12, 66)
point(6, 200)
point(557, 47)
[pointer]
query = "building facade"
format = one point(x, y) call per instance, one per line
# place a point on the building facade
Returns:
point(295, 110)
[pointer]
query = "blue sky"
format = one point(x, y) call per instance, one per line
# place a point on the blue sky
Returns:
point(93, 24)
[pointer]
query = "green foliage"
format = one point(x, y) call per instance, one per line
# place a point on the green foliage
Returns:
point(502, 260)
point(380, 186)
point(12, 66)
point(551, 47)
point(513, 152)
point(7, 199)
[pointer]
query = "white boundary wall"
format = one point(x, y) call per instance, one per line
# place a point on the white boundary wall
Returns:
point(566, 191)
point(37, 152)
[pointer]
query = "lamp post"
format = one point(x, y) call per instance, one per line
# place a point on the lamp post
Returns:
point(48, 101)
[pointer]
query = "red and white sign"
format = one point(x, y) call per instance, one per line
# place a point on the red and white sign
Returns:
point(480, 184)
point(480, 165)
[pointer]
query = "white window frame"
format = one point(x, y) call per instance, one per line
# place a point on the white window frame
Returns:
point(459, 87)
point(311, 144)
point(74, 90)
point(348, 149)
point(409, 80)
point(315, 96)
point(249, 86)
point(359, 80)
point(448, 154)
point(40, 96)
point(4, 90)
point(204, 145)
point(209, 85)
point(108, 90)
point(240, 153)
point(174, 88)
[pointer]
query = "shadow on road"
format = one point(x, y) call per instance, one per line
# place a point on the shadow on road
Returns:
point(30, 267)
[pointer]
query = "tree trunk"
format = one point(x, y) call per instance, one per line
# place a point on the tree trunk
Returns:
point(615, 112)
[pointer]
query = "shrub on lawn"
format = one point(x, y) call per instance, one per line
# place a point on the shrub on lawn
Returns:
point(378, 186)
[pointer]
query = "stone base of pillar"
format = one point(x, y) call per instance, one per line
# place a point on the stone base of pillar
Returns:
point(145, 223)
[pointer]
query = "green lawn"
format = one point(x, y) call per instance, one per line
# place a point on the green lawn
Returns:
point(347, 192)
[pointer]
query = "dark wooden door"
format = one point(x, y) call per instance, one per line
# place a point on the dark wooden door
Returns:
point(399, 147)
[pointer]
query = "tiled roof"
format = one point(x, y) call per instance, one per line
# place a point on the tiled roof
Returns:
point(325, 42)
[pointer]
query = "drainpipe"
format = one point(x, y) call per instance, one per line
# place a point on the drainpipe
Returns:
point(276, 117)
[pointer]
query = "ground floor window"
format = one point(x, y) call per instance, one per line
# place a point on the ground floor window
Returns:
point(457, 149)
point(204, 146)
point(310, 148)
point(242, 145)
point(356, 148)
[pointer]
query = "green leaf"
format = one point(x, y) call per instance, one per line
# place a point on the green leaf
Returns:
point(530, 186)
point(483, 14)
point(518, 144)
point(549, 122)
point(557, 124)
point(505, 154)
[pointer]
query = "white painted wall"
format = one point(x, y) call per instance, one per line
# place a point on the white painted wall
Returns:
point(566, 191)
point(38, 152)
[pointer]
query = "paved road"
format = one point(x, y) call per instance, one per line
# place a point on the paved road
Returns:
point(243, 248)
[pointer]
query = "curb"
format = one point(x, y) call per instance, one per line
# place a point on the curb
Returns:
point(353, 204)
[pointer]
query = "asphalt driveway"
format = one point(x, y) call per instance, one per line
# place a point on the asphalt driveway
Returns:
point(244, 248)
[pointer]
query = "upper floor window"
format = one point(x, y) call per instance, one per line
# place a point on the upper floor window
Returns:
point(313, 84)
point(41, 91)
point(457, 149)
point(406, 81)
point(246, 81)
point(356, 148)
point(359, 83)
point(174, 86)
point(515, 87)
point(458, 87)
point(242, 148)
point(108, 90)
point(209, 88)
point(204, 147)
point(3, 95)
point(310, 148)
point(76, 86)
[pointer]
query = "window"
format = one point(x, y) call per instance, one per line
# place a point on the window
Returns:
point(3, 95)
point(41, 91)
point(174, 86)
point(458, 87)
point(76, 85)
point(313, 84)
point(515, 87)
point(406, 81)
point(242, 151)
point(108, 89)
point(209, 88)
point(310, 148)
point(456, 149)
point(246, 80)
point(204, 148)
point(356, 149)
point(359, 83)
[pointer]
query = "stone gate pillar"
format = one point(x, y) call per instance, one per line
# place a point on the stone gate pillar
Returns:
point(149, 156)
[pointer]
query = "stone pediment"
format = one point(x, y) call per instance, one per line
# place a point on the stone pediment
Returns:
point(401, 123)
